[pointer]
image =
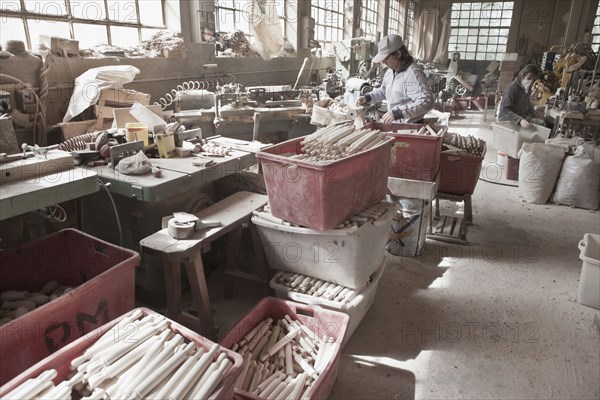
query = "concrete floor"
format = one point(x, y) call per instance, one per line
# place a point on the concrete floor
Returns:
point(495, 319)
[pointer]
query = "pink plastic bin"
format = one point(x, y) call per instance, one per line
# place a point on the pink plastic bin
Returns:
point(323, 196)
point(415, 157)
point(320, 320)
point(103, 278)
point(459, 173)
point(61, 360)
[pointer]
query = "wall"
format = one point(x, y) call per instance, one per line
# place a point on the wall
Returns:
point(158, 75)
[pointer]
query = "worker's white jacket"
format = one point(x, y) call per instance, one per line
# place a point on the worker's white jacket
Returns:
point(406, 91)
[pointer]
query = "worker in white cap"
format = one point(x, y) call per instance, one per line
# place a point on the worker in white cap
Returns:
point(404, 85)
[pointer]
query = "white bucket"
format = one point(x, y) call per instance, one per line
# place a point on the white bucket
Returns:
point(589, 282)
point(409, 229)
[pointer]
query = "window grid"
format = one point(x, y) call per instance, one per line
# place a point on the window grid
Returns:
point(368, 18)
point(479, 31)
point(232, 15)
point(394, 18)
point(596, 31)
point(329, 22)
point(26, 20)
point(410, 23)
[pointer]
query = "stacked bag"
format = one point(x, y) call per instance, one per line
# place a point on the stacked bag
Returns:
point(564, 171)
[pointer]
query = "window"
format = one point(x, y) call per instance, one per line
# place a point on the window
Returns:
point(231, 15)
point(596, 31)
point(395, 18)
point(329, 22)
point(92, 22)
point(410, 23)
point(479, 31)
point(368, 18)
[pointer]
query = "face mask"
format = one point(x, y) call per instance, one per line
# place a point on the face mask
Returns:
point(526, 83)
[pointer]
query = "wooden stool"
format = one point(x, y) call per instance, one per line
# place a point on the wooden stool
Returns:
point(232, 211)
point(451, 228)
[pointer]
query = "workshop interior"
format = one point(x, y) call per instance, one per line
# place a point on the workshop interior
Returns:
point(208, 199)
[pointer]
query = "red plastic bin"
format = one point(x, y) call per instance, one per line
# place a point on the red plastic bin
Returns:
point(415, 157)
point(103, 278)
point(459, 173)
point(323, 196)
point(320, 320)
point(60, 361)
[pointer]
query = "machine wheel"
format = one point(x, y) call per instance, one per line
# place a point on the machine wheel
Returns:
point(460, 90)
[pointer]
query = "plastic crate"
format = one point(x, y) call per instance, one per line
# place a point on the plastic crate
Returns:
point(356, 308)
point(589, 281)
point(322, 196)
point(103, 277)
point(345, 256)
point(61, 360)
point(320, 320)
point(413, 156)
point(459, 173)
point(509, 138)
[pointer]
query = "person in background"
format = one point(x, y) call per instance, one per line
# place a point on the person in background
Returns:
point(404, 85)
point(515, 105)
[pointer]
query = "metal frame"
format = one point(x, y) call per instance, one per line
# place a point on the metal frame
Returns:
point(25, 15)
point(472, 28)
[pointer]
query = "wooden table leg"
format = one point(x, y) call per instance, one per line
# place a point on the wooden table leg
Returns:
point(172, 271)
point(468, 209)
point(195, 271)
point(261, 260)
point(234, 249)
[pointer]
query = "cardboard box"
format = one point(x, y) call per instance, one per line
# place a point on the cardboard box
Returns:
point(72, 129)
point(117, 98)
point(57, 45)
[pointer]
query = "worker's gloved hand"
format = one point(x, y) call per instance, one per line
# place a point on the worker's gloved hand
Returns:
point(361, 100)
point(388, 117)
point(524, 123)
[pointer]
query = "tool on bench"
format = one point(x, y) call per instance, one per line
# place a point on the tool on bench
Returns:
point(121, 151)
point(183, 225)
point(37, 150)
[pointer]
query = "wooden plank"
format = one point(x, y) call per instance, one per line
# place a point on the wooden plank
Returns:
point(450, 229)
point(35, 167)
point(172, 272)
point(195, 271)
point(414, 189)
point(230, 211)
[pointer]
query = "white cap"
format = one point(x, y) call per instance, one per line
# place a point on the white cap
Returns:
point(387, 46)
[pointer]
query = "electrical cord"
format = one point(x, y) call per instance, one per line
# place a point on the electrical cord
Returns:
point(54, 213)
point(497, 183)
point(114, 206)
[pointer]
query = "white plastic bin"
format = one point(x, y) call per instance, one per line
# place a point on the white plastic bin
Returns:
point(589, 282)
point(509, 138)
point(345, 256)
point(356, 308)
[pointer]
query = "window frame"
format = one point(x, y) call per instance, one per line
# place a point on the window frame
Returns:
point(595, 34)
point(27, 16)
point(321, 8)
point(368, 18)
point(477, 37)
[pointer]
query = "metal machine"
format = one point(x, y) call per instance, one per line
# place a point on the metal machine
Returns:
point(352, 53)
point(454, 80)
point(356, 87)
